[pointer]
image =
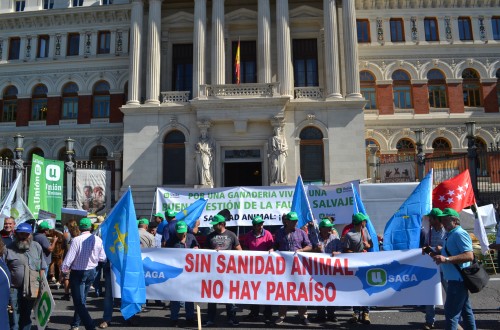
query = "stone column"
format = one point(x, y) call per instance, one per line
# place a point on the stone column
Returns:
point(331, 50)
point(218, 52)
point(353, 89)
point(372, 161)
point(264, 42)
point(154, 53)
point(285, 69)
point(134, 86)
point(199, 34)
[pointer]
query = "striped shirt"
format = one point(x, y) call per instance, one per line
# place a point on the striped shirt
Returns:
point(84, 253)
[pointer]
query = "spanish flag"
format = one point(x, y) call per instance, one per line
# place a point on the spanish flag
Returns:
point(237, 70)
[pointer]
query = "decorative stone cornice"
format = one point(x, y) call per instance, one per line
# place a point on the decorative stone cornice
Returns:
point(424, 4)
point(47, 19)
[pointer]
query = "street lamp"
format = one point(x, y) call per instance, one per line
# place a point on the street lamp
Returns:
point(420, 153)
point(18, 162)
point(470, 126)
point(70, 169)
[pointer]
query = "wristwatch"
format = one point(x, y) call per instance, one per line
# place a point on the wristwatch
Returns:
point(447, 260)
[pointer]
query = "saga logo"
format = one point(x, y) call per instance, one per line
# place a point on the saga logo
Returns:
point(379, 277)
point(53, 173)
point(153, 274)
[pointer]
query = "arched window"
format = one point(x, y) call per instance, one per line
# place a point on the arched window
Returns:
point(368, 89)
point(405, 147)
point(402, 90)
point(441, 147)
point(471, 86)
point(312, 168)
point(35, 151)
point(39, 102)
point(174, 158)
point(101, 100)
point(9, 112)
point(6, 154)
point(99, 156)
point(70, 101)
point(437, 89)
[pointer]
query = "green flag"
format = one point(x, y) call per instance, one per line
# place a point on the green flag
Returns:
point(37, 198)
point(54, 171)
point(46, 186)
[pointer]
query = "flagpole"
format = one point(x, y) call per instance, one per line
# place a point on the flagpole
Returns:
point(154, 203)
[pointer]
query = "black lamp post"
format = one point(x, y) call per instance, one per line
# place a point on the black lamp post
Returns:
point(70, 169)
point(420, 153)
point(472, 154)
point(18, 162)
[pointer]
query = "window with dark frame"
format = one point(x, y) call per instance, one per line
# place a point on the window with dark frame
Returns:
point(397, 30)
point(48, 4)
point(431, 29)
point(9, 112)
point(69, 101)
point(498, 86)
point(43, 46)
point(174, 147)
point(495, 26)
point(248, 61)
point(101, 100)
point(305, 62)
point(464, 28)
point(441, 147)
point(39, 102)
point(437, 89)
point(20, 4)
point(312, 156)
point(103, 42)
point(77, 3)
point(73, 44)
point(363, 29)
point(471, 88)
point(402, 90)
point(14, 48)
point(182, 68)
point(368, 89)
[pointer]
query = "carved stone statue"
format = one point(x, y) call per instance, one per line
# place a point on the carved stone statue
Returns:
point(277, 158)
point(204, 156)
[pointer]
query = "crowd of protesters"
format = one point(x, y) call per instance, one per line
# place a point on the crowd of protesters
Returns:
point(75, 259)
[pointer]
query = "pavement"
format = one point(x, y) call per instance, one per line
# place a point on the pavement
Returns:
point(486, 306)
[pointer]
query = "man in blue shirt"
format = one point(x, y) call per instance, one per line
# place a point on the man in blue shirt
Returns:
point(457, 250)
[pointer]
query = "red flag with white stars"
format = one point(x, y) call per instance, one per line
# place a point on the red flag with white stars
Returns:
point(455, 193)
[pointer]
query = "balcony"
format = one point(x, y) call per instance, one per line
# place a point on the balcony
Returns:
point(310, 93)
point(175, 97)
point(229, 91)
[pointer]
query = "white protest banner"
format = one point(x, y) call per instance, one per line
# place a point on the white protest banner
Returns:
point(44, 305)
point(387, 278)
point(269, 202)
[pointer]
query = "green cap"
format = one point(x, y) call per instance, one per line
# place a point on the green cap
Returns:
point(181, 227)
point(449, 212)
point(44, 225)
point(143, 221)
point(217, 219)
point(358, 218)
point(325, 223)
point(170, 213)
point(159, 214)
point(435, 212)
point(292, 216)
point(257, 220)
point(85, 224)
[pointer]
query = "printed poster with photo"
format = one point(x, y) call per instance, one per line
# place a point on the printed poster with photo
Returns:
point(91, 190)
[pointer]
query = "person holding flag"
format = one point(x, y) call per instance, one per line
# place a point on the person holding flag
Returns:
point(190, 216)
point(358, 240)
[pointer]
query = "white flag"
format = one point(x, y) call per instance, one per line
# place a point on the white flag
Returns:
point(480, 232)
point(18, 209)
